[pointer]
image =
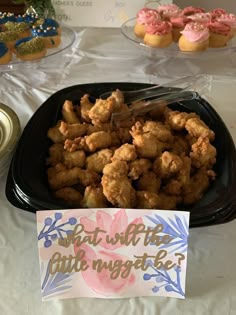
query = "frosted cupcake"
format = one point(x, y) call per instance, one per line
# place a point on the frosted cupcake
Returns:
point(9, 38)
point(50, 36)
point(22, 28)
point(195, 37)
point(219, 34)
point(229, 19)
point(217, 12)
point(48, 22)
point(169, 10)
point(4, 18)
point(203, 18)
point(158, 34)
point(145, 16)
point(192, 10)
point(178, 24)
point(30, 48)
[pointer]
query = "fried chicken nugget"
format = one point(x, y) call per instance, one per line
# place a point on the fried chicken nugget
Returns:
point(63, 178)
point(53, 170)
point(98, 160)
point(99, 127)
point(70, 195)
point(88, 177)
point(138, 167)
point(197, 128)
point(116, 169)
point(203, 153)
point(123, 134)
point(176, 185)
point(150, 200)
point(120, 106)
point(69, 114)
point(167, 164)
point(180, 145)
point(76, 158)
point(126, 152)
point(98, 140)
point(72, 131)
point(94, 198)
point(184, 174)
point(177, 120)
point(116, 186)
point(147, 144)
point(85, 106)
point(68, 177)
point(147, 200)
point(55, 154)
point(161, 131)
point(102, 110)
point(119, 97)
point(168, 202)
point(173, 187)
point(199, 183)
point(75, 144)
point(149, 182)
point(55, 135)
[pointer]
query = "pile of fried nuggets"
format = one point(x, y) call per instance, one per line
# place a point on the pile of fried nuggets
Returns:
point(155, 161)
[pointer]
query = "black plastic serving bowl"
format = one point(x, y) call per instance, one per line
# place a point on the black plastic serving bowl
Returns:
point(27, 186)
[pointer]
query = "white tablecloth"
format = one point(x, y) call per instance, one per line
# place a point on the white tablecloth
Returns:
point(103, 55)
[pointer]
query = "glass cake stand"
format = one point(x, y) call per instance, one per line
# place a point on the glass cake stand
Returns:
point(172, 62)
point(68, 37)
point(127, 29)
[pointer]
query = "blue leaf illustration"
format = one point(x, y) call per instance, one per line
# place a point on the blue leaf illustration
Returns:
point(163, 279)
point(180, 225)
point(55, 283)
point(177, 229)
point(167, 228)
point(52, 230)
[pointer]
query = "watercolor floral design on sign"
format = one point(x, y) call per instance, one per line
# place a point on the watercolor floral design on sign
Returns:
point(163, 279)
point(56, 284)
point(178, 229)
point(118, 223)
point(54, 231)
point(111, 245)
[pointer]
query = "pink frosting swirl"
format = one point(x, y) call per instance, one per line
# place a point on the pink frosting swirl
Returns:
point(159, 28)
point(203, 18)
point(169, 10)
point(179, 21)
point(196, 32)
point(219, 28)
point(168, 7)
point(192, 10)
point(146, 16)
point(229, 19)
point(217, 12)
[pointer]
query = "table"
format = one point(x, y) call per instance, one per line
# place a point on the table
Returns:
point(102, 55)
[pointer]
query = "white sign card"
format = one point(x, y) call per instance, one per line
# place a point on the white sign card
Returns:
point(112, 253)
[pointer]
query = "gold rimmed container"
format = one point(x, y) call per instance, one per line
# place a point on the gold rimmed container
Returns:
point(9, 134)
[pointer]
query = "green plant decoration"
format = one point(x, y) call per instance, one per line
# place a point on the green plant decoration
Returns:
point(43, 8)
